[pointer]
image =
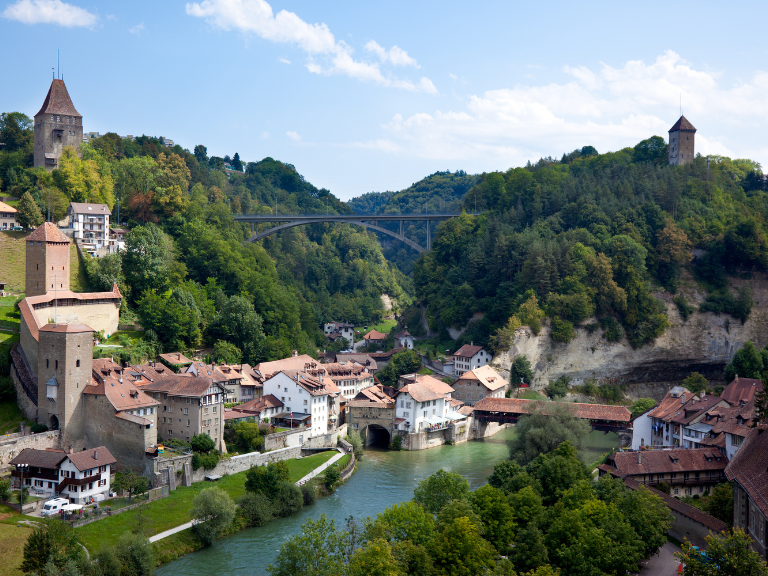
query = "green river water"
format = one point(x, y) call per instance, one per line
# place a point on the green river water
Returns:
point(382, 478)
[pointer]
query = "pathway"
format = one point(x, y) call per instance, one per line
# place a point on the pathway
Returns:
point(663, 564)
point(322, 467)
point(167, 533)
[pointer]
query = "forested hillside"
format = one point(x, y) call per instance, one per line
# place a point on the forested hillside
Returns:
point(439, 192)
point(186, 273)
point(594, 235)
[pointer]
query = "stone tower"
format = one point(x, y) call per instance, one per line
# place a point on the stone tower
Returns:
point(681, 139)
point(64, 363)
point(47, 260)
point(57, 126)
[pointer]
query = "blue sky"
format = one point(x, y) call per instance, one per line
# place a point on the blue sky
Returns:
point(372, 96)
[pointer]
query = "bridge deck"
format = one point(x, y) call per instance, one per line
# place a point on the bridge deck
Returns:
point(506, 410)
point(345, 217)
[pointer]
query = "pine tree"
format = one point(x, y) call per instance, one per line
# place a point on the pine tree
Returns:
point(29, 215)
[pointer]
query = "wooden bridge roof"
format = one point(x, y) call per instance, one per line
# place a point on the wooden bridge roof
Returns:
point(586, 411)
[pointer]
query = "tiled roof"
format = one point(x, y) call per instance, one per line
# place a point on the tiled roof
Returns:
point(134, 418)
point(176, 358)
point(57, 101)
point(741, 390)
point(403, 334)
point(259, 404)
point(682, 124)
point(6, 208)
point(39, 458)
point(85, 459)
point(362, 359)
point(181, 385)
point(311, 383)
point(123, 395)
point(681, 507)
point(87, 208)
point(420, 393)
point(663, 461)
point(695, 408)
point(266, 369)
point(385, 355)
point(749, 466)
point(66, 328)
point(671, 403)
point(467, 351)
point(466, 410)
point(486, 375)
point(437, 386)
point(375, 335)
point(587, 411)
point(47, 232)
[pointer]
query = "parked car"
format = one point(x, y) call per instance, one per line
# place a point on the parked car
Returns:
point(17, 229)
point(53, 506)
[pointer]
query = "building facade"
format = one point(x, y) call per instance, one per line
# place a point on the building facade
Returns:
point(469, 357)
point(8, 215)
point(57, 126)
point(478, 384)
point(89, 223)
point(681, 142)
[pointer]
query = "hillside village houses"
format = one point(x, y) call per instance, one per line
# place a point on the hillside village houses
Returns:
point(8, 215)
point(480, 383)
point(89, 224)
point(335, 330)
point(374, 338)
point(469, 357)
point(424, 402)
point(263, 409)
point(82, 477)
point(404, 339)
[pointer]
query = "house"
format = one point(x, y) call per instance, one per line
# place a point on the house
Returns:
point(116, 241)
point(404, 339)
point(257, 410)
point(480, 383)
point(362, 359)
point(175, 360)
point(428, 381)
point(8, 217)
point(89, 223)
point(190, 405)
point(309, 397)
point(374, 338)
point(423, 403)
point(747, 472)
point(335, 330)
point(374, 405)
point(688, 471)
point(469, 357)
point(384, 358)
point(81, 477)
point(349, 377)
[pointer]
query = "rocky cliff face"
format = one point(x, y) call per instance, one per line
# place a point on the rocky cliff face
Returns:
point(704, 343)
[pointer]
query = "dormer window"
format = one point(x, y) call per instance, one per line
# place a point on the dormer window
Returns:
point(51, 117)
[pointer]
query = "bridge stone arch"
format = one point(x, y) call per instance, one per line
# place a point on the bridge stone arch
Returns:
point(375, 227)
point(377, 435)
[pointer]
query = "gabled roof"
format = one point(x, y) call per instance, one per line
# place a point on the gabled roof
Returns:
point(39, 458)
point(57, 101)
point(696, 408)
point(362, 359)
point(420, 393)
point(182, 385)
point(387, 354)
point(123, 395)
point(486, 375)
point(671, 403)
point(467, 351)
point(91, 458)
point(663, 461)
point(749, 465)
point(741, 390)
point(375, 335)
point(430, 382)
point(48, 232)
point(403, 334)
point(682, 124)
point(6, 208)
point(89, 208)
point(266, 369)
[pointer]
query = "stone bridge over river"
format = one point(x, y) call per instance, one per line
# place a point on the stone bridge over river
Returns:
point(371, 221)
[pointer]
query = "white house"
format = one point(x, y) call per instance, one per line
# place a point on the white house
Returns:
point(335, 329)
point(469, 357)
point(81, 477)
point(419, 408)
point(307, 393)
point(8, 217)
point(405, 339)
point(90, 223)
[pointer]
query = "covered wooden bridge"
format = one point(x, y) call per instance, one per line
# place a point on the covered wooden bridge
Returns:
point(508, 410)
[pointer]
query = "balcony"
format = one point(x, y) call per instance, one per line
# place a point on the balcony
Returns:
point(66, 482)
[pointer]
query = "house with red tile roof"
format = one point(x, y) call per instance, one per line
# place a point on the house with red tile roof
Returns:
point(374, 338)
point(8, 215)
point(469, 357)
point(404, 339)
point(258, 409)
point(424, 403)
point(480, 383)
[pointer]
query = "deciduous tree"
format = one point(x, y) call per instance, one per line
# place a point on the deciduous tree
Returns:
point(213, 509)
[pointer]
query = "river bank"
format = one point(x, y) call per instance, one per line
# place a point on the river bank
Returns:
point(381, 479)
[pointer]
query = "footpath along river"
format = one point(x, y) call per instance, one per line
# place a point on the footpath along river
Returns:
point(382, 478)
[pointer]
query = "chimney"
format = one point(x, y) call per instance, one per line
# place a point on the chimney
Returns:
point(295, 353)
point(639, 456)
point(95, 455)
point(70, 450)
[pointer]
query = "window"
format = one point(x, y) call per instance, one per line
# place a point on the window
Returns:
point(186, 410)
point(187, 422)
point(46, 362)
point(77, 363)
point(57, 364)
point(676, 491)
point(51, 117)
point(170, 432)
point(58, 118)
point(102, 482)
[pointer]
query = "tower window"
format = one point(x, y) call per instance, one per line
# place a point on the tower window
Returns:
point(58, 118)
point(57, 364)
point(77, 364)
point(46, 362)
point(51, 117)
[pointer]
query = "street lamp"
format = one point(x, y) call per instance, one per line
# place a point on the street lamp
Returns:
point(21, 468)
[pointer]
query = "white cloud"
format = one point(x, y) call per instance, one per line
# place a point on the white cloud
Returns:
point(112, 17)
point(395, 55)
point(453, 76)
point(138, 29)
point(265, 135)
point(293, 136)
point(49, 12)
point(607, 107)
point(326, 55)
point(284, 60)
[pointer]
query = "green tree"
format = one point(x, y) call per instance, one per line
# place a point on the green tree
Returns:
point(557, 471)
point(135, 554)
point(84, 180)
point(128, 481)
point(288, 499)
point(695, 382)
point(558, 388)
point(562, 330)
point(530, 550)
point(29, 215)
point(541, 432)
point(256, 508)
point(318, 551)
point(227, 353)
point(51, 541)
point(459, 550)
point(374, 558)
point(202, 443)
point(654, 149)
point(5, 489)
point(145, 259)
point(440, 488)
point(16, 131)
point(526, 505)
point(747, 363)
point(331, 478)
point(641, 406)
point(720, 503)
point(266, 479)
point(106, 271)
point(213, 510)
point(404, 362)
point(520, 371)
point(497, 515)
point(729, 553)
point(405, 522)
point(237, 321)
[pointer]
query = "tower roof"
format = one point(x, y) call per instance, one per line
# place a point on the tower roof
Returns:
point(58, 101)
point(682, 124)
point(48, 232)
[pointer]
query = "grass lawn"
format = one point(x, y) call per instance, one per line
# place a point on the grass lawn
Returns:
point(9, 316)
point(529, 394)
point(78, 278)
point(342, 462)
point(13, 539)
point(132, 334)
point(384, 326)
point(173, 510)
point(14, 253)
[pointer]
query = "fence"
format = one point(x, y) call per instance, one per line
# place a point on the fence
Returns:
point(160, 492)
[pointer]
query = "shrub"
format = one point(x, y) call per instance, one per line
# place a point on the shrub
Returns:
point(558, 388)
point(255, 508)
point(37, 428)
point(397, 443)
point(288, 499)
point(202, 443)
point(209, 461)
point(354, 438)
point(683, 307)
point(309, 493)
point(613, 331)
point(331, 478)
point(5, 489)
point(725, 302)
point(562, 330)
point(214, 510)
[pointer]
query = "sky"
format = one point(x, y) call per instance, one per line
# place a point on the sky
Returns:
point(374, 96)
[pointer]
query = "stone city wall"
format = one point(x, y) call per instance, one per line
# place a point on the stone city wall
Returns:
point(245, 461)
point(12, 444)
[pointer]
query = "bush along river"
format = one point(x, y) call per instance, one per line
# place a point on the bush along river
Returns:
point(382, 478)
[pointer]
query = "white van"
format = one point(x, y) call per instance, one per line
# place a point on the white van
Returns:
point(53, 506)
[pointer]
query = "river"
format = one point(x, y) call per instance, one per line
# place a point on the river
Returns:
point(382, 478)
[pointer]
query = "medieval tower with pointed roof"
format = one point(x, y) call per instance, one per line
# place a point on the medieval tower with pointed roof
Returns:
point(48, 260)
point(57, 125)
point(681, 142)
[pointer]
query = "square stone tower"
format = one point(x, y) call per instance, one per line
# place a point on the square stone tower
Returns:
point(57, 125)
point(47, 260)
point(64, 364)
point(681, 140)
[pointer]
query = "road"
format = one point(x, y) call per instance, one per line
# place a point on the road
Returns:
point(663, 564)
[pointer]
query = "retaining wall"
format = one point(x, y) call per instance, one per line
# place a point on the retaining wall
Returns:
point(12, 444)
point(301, 437)
point(245, 461)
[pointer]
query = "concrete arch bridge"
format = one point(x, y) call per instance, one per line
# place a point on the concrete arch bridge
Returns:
point(370, 221)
